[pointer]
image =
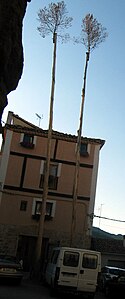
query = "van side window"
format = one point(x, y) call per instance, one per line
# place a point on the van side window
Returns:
point(71, 259)
point(54, 256)
point(89, 261)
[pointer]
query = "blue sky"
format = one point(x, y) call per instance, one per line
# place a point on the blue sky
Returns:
point(105, 93)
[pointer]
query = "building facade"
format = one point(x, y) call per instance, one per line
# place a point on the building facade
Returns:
point(22, 162)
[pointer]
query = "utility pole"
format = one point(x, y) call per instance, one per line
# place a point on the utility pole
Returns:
point(39, 118)
point(100, 213)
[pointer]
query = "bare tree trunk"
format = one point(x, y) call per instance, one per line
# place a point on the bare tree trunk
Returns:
point(47, 164)
point(76, 175)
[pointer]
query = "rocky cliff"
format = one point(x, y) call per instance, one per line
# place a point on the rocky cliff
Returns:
point(11, 49)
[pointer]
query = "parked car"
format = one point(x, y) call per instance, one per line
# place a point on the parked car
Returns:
point(107, 274)
point(10, 269)
point(116, 287)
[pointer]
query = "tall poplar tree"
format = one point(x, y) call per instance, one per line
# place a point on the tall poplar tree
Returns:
point(53, 21)
point(92, 34)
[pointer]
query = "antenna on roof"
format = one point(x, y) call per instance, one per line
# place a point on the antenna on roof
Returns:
point(39, 118)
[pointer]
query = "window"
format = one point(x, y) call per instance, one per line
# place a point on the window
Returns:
point(23, 205)
point(38, 208)
point(50, 209)
point(28, 140)
point(53, 177)
point(71, 259)
point(84, 149)
point(89, 261)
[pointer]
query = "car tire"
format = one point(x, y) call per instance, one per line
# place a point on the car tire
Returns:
point(107, 291)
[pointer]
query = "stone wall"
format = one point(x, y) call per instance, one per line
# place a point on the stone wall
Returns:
point(8, 240)
point(9, 236)
point(63, 239)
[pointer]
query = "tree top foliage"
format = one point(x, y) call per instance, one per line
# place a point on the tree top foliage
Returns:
point(53, 19)
point(92, 34)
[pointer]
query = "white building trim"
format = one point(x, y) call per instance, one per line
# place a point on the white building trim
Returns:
point(93, 189)
point(4, 159)
point(53, 202)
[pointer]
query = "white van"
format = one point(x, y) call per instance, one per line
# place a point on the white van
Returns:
point(73, 270)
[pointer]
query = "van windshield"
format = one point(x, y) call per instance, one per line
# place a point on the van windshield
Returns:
point(71, 259)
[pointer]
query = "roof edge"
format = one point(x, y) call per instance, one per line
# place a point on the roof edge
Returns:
point(55, 134)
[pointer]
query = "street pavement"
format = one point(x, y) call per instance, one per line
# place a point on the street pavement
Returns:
point(30, 289)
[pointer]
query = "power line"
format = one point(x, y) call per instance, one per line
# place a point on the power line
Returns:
point(107, 218)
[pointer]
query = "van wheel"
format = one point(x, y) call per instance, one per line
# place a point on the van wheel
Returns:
point(53, 291)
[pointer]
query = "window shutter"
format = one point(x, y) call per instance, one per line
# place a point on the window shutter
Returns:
point(88, 148)
point(53, 209)
point(34, 140)
point(59, 170)
point(42, 167)
point(33, 207)
point(21, 137)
